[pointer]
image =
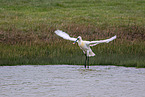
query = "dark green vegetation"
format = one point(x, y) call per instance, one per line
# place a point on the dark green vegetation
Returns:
point(27, 31)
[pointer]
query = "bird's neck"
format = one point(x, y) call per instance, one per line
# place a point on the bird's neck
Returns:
point(79, 41)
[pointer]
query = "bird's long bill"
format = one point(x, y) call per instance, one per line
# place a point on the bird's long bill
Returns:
point(76, 40)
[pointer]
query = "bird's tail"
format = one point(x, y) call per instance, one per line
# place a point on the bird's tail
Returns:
point(91, 53)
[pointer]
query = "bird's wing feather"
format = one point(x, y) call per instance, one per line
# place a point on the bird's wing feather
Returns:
point(93, 43)
point(64, 35)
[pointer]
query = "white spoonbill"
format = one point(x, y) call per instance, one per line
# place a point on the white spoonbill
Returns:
point(84, 45)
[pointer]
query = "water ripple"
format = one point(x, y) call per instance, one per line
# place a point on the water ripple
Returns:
point(71, 81)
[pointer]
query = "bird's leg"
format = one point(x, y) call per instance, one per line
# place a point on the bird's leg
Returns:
point(86, 60)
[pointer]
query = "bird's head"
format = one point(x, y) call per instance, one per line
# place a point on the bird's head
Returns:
point(78, 39)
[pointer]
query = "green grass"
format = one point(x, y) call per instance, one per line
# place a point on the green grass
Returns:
point(27, 31)
point(106, 54)
point(28, 14)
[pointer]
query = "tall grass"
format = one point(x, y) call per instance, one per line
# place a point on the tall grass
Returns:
point(27, 31)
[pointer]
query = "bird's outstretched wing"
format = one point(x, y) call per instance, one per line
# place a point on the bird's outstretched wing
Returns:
point(64, 35)
point(93, 43)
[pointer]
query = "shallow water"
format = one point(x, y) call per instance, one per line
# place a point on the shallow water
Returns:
point(71, 81)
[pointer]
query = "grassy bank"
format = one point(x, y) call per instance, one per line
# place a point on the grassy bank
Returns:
point(27, 31)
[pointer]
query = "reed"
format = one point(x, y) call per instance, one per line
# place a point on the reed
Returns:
point(126, 50)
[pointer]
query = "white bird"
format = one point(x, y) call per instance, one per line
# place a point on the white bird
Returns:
point(84, 45)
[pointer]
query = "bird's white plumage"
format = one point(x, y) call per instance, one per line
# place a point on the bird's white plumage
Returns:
point(64, 35)
point(93, 43)
point(84, 45)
